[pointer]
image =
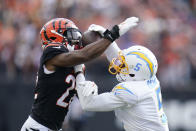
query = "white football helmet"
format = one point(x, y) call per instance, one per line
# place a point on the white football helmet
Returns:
point(136, 63)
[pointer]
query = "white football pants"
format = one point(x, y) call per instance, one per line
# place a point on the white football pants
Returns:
point(32, 125)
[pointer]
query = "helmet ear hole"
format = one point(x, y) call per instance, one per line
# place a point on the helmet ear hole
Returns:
point(53, 38)
point(132, 75)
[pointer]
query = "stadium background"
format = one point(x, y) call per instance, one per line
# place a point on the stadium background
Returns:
point(167, 27)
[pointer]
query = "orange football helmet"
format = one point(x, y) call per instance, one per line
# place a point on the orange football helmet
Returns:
point(61, 30)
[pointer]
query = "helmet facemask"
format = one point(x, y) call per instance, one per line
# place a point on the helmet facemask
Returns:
point(118, 65)
point(134, 64)
point(73, 38)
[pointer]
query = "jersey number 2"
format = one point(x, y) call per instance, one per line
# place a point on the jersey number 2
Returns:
point(60, 102)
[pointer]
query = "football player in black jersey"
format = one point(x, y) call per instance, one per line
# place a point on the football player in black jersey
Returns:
point(55, 87)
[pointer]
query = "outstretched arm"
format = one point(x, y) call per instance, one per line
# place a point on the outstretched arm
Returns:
point(93, 102)
point(80, 56)
point(88, 97)
point(91, 51)
point(112, 51)
point(102, 102)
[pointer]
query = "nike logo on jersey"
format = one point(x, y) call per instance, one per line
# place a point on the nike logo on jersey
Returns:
point(57, 47)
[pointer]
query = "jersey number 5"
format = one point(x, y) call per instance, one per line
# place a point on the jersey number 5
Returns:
point(60, 102)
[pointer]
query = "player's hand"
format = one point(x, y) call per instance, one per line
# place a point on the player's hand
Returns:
point(127, 25)
point(88, 88)
point(70, 48)
point(79, 68)
point(119, 30)
point(97, 28)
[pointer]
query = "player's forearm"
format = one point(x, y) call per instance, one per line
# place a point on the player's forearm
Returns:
point(77, 57)
point(79, 78)
point(95, 49)
point(112, 51)
point(88, 53)
point(102, 102)
point(95, 103)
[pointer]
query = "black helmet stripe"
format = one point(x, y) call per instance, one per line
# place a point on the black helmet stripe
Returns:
point(45, 35)
point(53, 24)
point(66, 23)
point(59, 26)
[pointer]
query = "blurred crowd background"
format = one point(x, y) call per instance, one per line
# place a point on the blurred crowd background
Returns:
point(167, 27)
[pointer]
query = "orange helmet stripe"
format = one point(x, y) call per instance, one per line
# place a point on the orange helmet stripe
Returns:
point(63, 25)
point(42, 35)
point(56, 24)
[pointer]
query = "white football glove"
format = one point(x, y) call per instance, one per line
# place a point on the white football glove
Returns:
point(70, 48)
point(79, 68)
point(87, 88)
point(97, 28)
point(123, 27)
point(127, 25)
point(117, 30)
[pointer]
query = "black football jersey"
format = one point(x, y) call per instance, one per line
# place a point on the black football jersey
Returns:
point(53, 91)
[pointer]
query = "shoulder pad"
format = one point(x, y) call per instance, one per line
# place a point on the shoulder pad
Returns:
point(125, 94)
point(121, 87)
point(51, 50)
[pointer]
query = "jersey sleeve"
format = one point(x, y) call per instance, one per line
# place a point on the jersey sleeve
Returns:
point(102, 102)
point(51, 51)
point(112, 51)
point(125, 94)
